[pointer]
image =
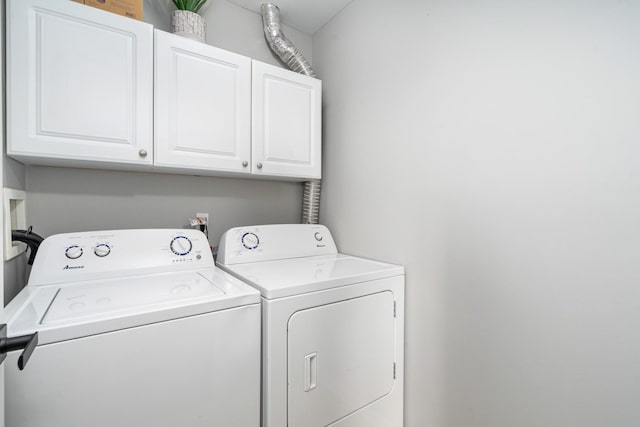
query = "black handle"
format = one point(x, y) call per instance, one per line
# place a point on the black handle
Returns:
point(27, 342)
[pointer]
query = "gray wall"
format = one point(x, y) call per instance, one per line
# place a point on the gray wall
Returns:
point(63, 199)
point(492, 148)
point(230, 27)
point(13, 176)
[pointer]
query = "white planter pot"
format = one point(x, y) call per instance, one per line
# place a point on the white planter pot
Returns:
point(189, 24)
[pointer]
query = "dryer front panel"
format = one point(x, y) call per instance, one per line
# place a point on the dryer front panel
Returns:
point(341, 358)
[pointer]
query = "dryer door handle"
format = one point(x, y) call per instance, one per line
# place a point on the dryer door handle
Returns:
point(27, 342)
point(310, 371)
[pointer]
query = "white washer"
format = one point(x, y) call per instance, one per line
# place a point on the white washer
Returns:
point(136, 328)
point(333, 327)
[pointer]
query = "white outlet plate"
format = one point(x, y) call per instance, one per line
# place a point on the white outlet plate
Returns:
point(15, 218)
point(205, 216)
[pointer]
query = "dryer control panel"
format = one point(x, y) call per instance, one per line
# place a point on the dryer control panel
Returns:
point(270, 242)
point(93, 255)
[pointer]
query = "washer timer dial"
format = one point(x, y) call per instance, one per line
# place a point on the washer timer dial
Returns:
point(250, 240)
point(181, 245)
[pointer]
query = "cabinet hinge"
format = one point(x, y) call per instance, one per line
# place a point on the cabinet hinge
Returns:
point(394, 370)
point(394, 309)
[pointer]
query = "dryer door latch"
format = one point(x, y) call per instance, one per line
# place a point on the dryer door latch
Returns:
point(310, 371)
point(27, 343)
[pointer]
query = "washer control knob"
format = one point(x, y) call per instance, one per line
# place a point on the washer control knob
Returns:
point(102, 250)
point(73, 252)
point(318, 236)
point(181, 245)
point(250, 240)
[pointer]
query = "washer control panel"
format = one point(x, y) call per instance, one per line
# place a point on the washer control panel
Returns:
point(271, 242)
point(115, 253)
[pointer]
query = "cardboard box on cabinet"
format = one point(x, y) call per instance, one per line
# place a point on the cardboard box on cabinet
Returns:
point(128, 8)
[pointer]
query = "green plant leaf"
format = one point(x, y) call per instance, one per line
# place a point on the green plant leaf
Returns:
point(198, 5)
point(190, 5)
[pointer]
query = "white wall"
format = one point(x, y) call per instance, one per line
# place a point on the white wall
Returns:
point(63, 199)
point(492, 148)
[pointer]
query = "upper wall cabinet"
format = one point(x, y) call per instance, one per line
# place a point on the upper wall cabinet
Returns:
point(202, 106)
point(89, 88)
point(286, 117)
point(80, 85)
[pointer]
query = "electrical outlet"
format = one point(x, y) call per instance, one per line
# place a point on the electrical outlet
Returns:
point(204, 217)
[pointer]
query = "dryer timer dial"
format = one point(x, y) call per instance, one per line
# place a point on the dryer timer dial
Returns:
point(250, 240)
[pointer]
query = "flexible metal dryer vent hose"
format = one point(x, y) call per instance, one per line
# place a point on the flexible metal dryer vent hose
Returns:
point(292, 57)
point(289, 54)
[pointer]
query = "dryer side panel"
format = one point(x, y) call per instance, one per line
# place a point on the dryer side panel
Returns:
point(340, 358)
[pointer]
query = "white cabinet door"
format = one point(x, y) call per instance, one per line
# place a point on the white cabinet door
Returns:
point(80, 85)
point(202, 106)
point(286, 131)
point(341, 358)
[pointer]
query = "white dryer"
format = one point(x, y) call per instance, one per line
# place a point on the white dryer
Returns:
point(333, 327)
point(136, 328)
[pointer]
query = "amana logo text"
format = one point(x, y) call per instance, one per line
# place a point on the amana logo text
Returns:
point(72, 267)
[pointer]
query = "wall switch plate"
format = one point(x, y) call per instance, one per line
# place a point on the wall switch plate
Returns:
point(14, 218)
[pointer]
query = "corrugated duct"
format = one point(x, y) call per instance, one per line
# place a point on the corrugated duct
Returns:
point(292, 57)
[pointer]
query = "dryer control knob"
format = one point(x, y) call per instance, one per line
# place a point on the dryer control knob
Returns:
point(102, 250)
point(181, 245)
point(73, 252)
point(250, 240)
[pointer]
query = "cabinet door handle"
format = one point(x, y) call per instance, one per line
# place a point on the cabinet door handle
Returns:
point(259, 165)
point(142, 153)
point(245, 164)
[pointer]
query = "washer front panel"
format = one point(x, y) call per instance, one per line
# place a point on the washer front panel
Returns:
point(197, 371)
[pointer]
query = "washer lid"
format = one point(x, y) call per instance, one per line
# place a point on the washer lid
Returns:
point(77, 303)
point(62, 312)
point(293, 276)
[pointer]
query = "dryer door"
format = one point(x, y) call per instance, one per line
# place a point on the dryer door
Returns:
point(341, 358)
